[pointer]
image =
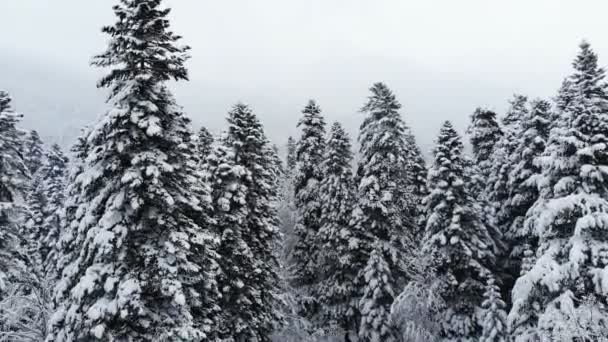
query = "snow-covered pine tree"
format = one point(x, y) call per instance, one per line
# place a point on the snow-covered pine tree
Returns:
point(33, 153)
point(14, 176)
point(252, 152)
point(292, 157)
point(418, 177)
point(501, 163)
point(15, 280)
point(236, 260)
point(36, 203)
point(309, 155)
point(484, 132)
point(378, 217)
point(523, 185)
point(496, 187)
point(563, 296)
point(5, 102)
point(68, 223)
point(378, 295)
point(457, 242)
point(286, 207)
point(204, 142)
point(130, 271)
point(493, 316)
point(336, 290)
point(46, 234)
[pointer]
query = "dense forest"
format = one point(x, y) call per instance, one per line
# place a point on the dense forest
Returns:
point(151, 230)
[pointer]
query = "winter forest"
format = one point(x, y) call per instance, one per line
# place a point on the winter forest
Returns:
point(150, 229)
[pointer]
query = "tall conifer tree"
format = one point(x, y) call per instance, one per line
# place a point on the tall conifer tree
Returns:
point(13, 183)
point(337, 290)
point(253, 153)
point(309, 155)
point(378, 217)
point(457, 241)
point(563, 297)
point(34, 152)
point(204, 142)
point(129, 272)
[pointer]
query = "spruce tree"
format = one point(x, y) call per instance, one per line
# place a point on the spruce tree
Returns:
point(309, 155)
point(378, 295)
point(457, 242)
point(203, 143)
point(68, 223)
point(418, 187)
point(523, 184)
point(380, 171)
point(46, 234)
point(336, 290)
point(484, 132)
point(292, 158)
point(494, 317)
point(252, 151)
point(129, 271)
point(33, 153)
point(14, 176)
point(236, 260)
point(497, 189)
point(563, 297)
point(5, 102)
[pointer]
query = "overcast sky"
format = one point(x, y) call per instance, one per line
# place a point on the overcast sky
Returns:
point(441, 58)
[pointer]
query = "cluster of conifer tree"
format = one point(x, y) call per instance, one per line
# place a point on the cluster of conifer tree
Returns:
point(505, 243)
point(151, 232)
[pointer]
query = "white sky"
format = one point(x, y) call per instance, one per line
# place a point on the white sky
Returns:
point(442, 58)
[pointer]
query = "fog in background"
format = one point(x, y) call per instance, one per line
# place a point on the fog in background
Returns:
point(441, 58)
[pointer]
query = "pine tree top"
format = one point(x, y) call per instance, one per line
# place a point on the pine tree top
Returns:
point(5, 101)
point(245, 134)
point(449, 145)
point(204, 136)
point(311, 120)
point(310, 147)
point(142, 49)
point(382, 100)
point(588, 76)
point(485, 132)
point(291, 154)
point(339, 154)
point(517, 111)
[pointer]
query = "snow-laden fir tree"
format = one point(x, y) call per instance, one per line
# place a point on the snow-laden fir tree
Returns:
point(457, 242)
point(336, 290)
point(309, 156)
point(44, 224)
point(292, 157)
point(236, 260)
point(33, 153)
point(253, 152)
point(497, 186)
point(563, 296)
point(381, 170)
point(418, 176)
point(15, 280)
point(484, 132)
point(14, 177)
point(204, 142)
point(378, 295)
point(68, 224)
point(523, 185)
point(493, 316)
point(497, 190)
point(129, 272)
point(5, 101)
